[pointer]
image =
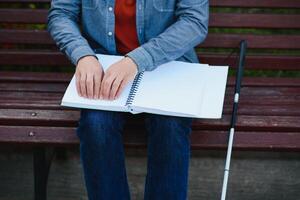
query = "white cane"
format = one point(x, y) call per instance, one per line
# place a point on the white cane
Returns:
point(239, 74)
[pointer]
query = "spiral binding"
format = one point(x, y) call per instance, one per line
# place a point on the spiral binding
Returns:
point(134, 88)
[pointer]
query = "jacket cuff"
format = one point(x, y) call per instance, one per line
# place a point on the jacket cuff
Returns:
point(80, 52)
point(142, 58)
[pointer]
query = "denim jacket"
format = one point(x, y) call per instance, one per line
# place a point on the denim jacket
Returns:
point(167, 29)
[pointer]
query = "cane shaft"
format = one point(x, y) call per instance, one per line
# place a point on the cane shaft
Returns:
point(239, 74)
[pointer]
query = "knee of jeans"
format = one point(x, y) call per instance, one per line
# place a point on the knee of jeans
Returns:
point(97, 125)
point(169, 136)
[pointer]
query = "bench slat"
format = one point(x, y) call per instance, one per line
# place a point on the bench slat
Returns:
point(199, 139)
point(16, 36)
point(10, 95)
point(253, 41)
point(67, 118)
point(34, 87)
point(255, 62)
point(25, 1)
point(250, 100)
point(246, 140)
point(214, 3)
point(57, 60)
point(43, 117)
point(279, 21)
point(13, 36)
point(256, 3)
point(229, 20)
point(26, 16)
point(61, 87)
point(41, 77)
point(52, 77)
point(39, 98)
point(244, 107)
point(27, 57)
point(251, 123)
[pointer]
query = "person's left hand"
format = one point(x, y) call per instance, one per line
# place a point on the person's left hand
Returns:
point(116, 78)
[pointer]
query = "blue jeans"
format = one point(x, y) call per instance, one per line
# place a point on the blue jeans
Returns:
point(103, 160)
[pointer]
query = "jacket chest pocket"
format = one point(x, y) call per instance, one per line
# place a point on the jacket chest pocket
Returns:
point(90, 4)
point(164, 5)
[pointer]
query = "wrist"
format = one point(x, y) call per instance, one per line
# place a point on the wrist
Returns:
point(131, 62)
point(86, 57)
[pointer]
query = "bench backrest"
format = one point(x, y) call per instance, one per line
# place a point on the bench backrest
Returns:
point(271, 28)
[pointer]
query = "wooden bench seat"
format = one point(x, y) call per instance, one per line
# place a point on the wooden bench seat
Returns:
point(269, 114)
point(269, 108)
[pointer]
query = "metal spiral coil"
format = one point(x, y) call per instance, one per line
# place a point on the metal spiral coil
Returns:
point(134, 88)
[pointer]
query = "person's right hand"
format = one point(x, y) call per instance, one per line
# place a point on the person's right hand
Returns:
point(89, 74)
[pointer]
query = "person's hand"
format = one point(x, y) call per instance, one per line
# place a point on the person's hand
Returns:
point(116, 78)
point(89, 74)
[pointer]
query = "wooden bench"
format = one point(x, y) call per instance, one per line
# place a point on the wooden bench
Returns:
point(269, 109)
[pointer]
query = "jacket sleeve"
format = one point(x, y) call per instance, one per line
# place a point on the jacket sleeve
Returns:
point(63, 26)
point(189, 29)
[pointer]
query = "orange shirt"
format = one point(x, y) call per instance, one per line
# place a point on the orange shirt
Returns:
point(125, 26)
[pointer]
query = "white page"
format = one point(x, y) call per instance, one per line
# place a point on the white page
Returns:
point(183, 89)
point(214, 92)
point(72, 99)
point(174, 88)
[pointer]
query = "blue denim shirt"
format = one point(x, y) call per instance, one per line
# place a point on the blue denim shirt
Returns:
point(167, 29)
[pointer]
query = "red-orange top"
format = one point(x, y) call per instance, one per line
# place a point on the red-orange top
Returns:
point(125, 26)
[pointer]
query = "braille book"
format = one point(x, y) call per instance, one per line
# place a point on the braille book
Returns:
point(175, 88)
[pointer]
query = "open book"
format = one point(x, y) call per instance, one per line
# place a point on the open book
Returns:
point(175, 88)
